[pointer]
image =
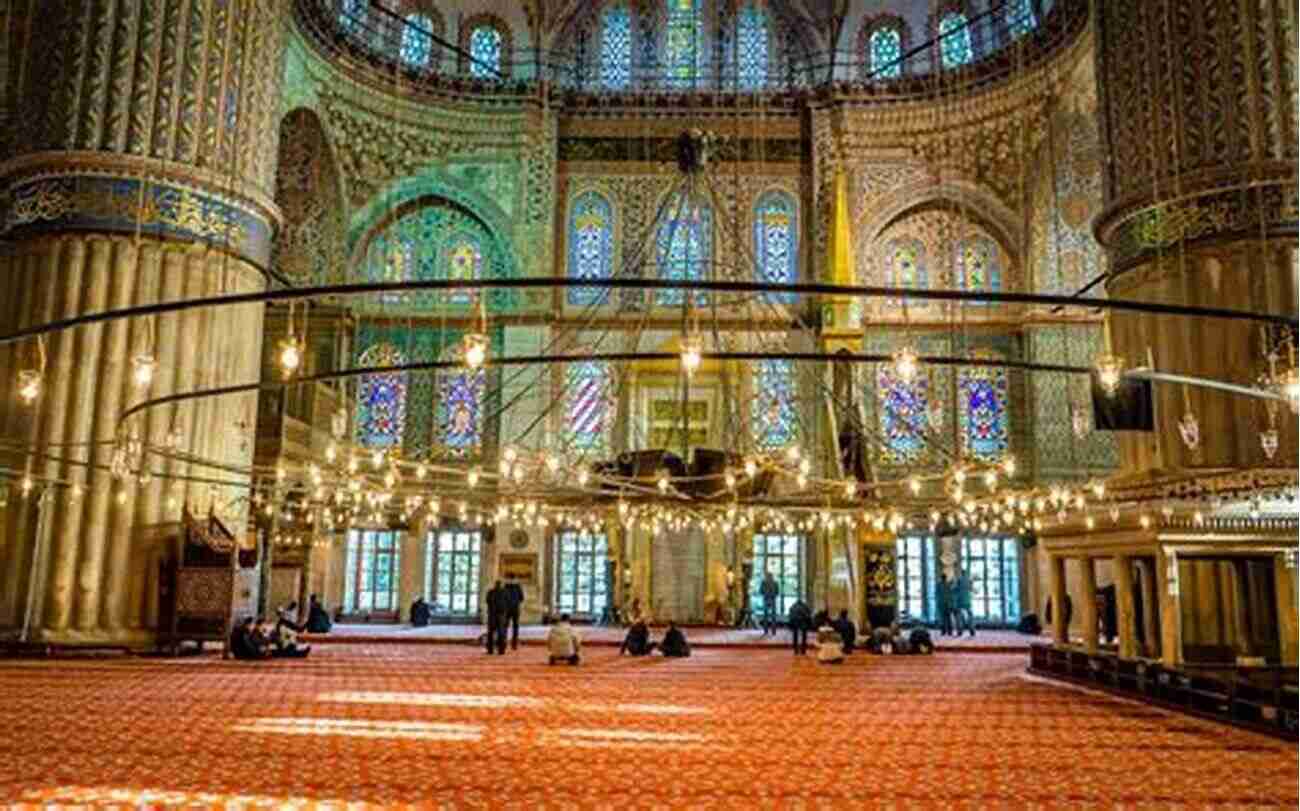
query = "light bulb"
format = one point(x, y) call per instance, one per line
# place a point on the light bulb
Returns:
point(1110, 371)
point(1145, 521)
point(471, 478)
point(990, 479)
point(805, 466)
point(850, 489)
point(1189, 429)
point(914, 484)
point(959, 475)
point(421, 471)
point(906, 364)
point(1090, 522)
point(663, 482)
point(692, 354)
point(1268, 441)
point(792, 453)
point(331, 452)
point(583, 477)
point(552, 463)
point(1009, 465)
point(729, 480)
point(1099, 489)
point(142, 368)
point(510, 454)
point(1288, 386)
point(29, 385)
point(802, 480)
point(290, 356)
point(751, 468)
point(377, 459)
point(475, 346)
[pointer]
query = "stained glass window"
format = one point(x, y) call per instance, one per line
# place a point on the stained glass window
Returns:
point(371, 575)
point(589, 405)
point(485, 44)
point(591, 245)
point(684, 250)
point(982, 393)
point(352, 15)
point(580, 579)
point(979, 266)
point(752, 46)
point(885, 53)
point(452, 558)
point(902, 410)
point(616, 47)
point(776, 242)
point(460, 411)
point(772, 409)
point(993, 566)
point(1020, 17)
point(782, 555)
point(905, 264)
point(955, 44)
point(683, 43)
point(417, 44)
point(381, 399)
point(464, 260)
point(914, 562)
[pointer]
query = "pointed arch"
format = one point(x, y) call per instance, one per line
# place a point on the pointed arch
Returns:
point(754, 47)
point(684, 250)
point(591, 244)
point(772, 413)
point(684, 49)
point(776, 242)
point(486, 38)
point(983, 410)
point(616, 39)
point(458, 415)
point(381, 399)
point(954, 39)
point(882, 42)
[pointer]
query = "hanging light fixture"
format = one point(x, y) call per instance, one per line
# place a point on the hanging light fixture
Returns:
point(907, 364)
point(1287, 386)
point(1110, 371)
point(29, 385)
point(142, 369)
point(1268, 441)
point(1189, 428)
point(474, 346)
point(692, 354)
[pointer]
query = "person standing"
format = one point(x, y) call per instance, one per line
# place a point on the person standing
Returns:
point(962, 600)
point(800, 619)
point(770, 590)
point(943, 607)
point(514, 602)
point(496, 606)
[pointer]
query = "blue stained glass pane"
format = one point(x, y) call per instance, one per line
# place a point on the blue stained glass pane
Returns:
point(776, 245)
point(1021, 19)
point(886, 53)
point(902, 409)
point(460, 395)
point(485, 48)
point(773, 408)
point(588, 409)
point(906, 264)
point(352, 15)
point(683, 43)
point(752, 44)
point(979, 266)
point(616, 48)
point(417, 44)
point(983, 403)
point(381, 399)
point(591, 245)
point(689, 254)
point(464, 260)
point(955, 46)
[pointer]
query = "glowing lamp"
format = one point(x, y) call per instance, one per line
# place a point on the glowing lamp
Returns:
point(1110, 370)
point(1268, 440)
point(29, 385)
point(475, 347)
point(290, 356)
point(692, 354)
point(142, 369)
point(906, 364)
point(1189, 429)
point(1288, 386)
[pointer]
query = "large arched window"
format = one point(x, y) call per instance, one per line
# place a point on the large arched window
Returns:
point(683, 50)
point(589, 405)
point(684, 250)
point(982, 409)
point(905, 264)
point(381, 399)
point(753, 47)
point(1021, 19)
point(772, 409)
point(955, 47)
point(885, 53)
point(979, 265)
point(417, 41)
point(591, 245)
point(488, 47)
point(459, 411)
point(616, 47)
point(903, 413)
point(776, 247)
point(463, 259)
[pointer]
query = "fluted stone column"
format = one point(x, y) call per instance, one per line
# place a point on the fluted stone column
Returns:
point(142, 171)
point(1198, 109)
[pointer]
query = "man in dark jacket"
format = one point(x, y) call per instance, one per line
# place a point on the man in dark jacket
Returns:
point(318, 619)
point(514, 602)
point(847, 630)
point(496, 603)
point(769, 590)
point(674, 644)
point(962, 599)
point(800, 620)
point(244, 643)
point(637, 642)
point(420, 613)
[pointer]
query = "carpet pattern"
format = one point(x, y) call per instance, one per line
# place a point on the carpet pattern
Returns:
point(449, 727)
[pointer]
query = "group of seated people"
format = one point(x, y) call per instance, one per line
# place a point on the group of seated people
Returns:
point(251, 639)
point(837, 638)
point(638, 641)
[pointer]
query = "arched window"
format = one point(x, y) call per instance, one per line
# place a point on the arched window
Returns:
point(979, 266)
point(885, 53)
point(352, 15)
point(463, 261)
point(683, 43)
point(772, 409)
point(776, 247)
point(982, 408)
point(903, 413)
point(955, 47)
point(381, 399)
point(589, 400)
point(1021, 19)
point(684, 250)
point(459, 411)
point(486, 46)
point(905, 264)
point(753, 43)
point(591, 245)
point(616, 47)
point(417, 41)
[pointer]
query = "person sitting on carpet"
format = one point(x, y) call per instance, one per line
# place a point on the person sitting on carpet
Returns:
point(637, 642)
point(286, 617)
point(564, 643)
point(675, 645)
point(830, 645)
point(920, 642)
point(847, 630)
point(881, 641)
point(318, 619)
point(821, 618)
point(420, 612)
point(634, 614)
point(244, 643)
point(897, 640)
point(283, 641)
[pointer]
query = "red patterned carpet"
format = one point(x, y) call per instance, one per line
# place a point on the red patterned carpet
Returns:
point(447, 726)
